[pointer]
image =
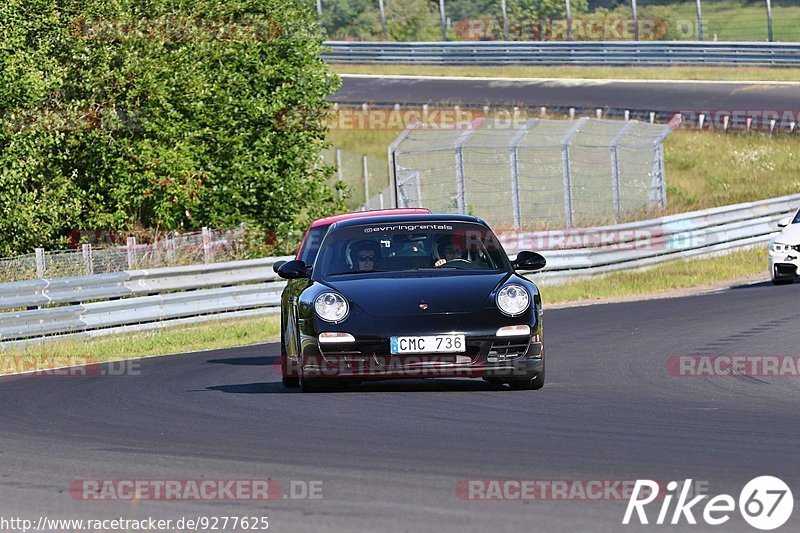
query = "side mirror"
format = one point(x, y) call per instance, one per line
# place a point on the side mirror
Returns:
point(529, 261)
point(293, 270)
point(277, 264)
point(785, 221)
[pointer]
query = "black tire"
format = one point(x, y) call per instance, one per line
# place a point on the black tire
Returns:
point(782, 281)
point(288, 382)
point(534, 383)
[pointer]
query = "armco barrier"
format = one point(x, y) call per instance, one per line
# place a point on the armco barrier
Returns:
point(622, 53)
point(138, 300)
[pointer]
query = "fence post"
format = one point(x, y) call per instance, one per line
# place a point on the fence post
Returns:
point(635, 21)
point(699, 21)
point(569, 23)
point(207, 251)
point(339, 170)
point(513, 146)
point(41, 264)
point(171, 247)
point(394, 196)
point(504, 9)
point(461, 185)
point(365, 174)
point(616, 192)
point(444, 20)
point(86, 250)
point(131, 248)
point(769, 20)
point(383, 18)
point(569, 213)
point(380, 199)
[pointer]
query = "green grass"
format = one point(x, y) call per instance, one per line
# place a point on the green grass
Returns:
point(208, 336)
point(706, 169)
point(667, 277)
point(643, 73)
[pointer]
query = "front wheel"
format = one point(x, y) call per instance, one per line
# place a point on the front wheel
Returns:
point(291, 382)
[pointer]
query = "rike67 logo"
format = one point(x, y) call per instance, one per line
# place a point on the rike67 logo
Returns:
point(765, 503)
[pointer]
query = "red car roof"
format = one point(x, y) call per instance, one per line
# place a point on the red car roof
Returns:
point(360, 214)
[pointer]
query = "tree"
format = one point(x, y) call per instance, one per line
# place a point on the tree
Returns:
point(159, 115)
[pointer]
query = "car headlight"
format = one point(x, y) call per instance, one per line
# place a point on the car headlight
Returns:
point(513, 299)
point(779, 247)
point(331, 307)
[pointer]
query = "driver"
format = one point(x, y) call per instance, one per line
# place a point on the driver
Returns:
point(364, 254)
point(449, 249)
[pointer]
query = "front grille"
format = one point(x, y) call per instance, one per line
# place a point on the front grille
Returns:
point(507, 349)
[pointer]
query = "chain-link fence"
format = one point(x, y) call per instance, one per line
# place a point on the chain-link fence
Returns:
point(366, 178)
point(580, 20)
point(170, 249)
point(535, 173)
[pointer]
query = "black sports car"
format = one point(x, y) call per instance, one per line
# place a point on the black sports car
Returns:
point(411, 296)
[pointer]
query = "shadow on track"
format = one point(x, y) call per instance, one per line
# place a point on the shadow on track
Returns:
point(428, 385)
point(247, 361)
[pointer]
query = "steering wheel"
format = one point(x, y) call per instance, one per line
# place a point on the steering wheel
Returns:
point(461, 263)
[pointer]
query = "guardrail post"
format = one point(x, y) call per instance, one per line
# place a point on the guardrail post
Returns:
point(131, 249)
point(41, 265)
point(569, 213)
point(615, 181)
point(635, 21)
point(513, 145)
point(86, 250)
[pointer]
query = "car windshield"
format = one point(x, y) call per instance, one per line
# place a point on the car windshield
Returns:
point(310, 246)
point(410, 246)
point(796, 218)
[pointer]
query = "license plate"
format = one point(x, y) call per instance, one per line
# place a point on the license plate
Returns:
point(428, 344)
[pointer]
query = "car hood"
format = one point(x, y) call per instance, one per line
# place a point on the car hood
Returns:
point(402, 295)
point(789, 235)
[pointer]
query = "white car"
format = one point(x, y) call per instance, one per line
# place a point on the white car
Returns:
point(784, 251)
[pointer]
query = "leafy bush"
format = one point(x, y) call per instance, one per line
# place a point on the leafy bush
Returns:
point(159, 115)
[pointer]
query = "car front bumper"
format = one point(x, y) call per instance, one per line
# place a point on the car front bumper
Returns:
point(784, 265)
point(484, 356)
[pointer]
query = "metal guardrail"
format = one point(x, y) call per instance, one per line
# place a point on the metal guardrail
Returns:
point(138, 300)
point(622, 53)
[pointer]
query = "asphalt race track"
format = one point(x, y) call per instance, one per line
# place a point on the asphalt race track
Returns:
point(390, 454)
point(669, 97)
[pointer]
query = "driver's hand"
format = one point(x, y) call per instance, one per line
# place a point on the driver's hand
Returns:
point(440, 262)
